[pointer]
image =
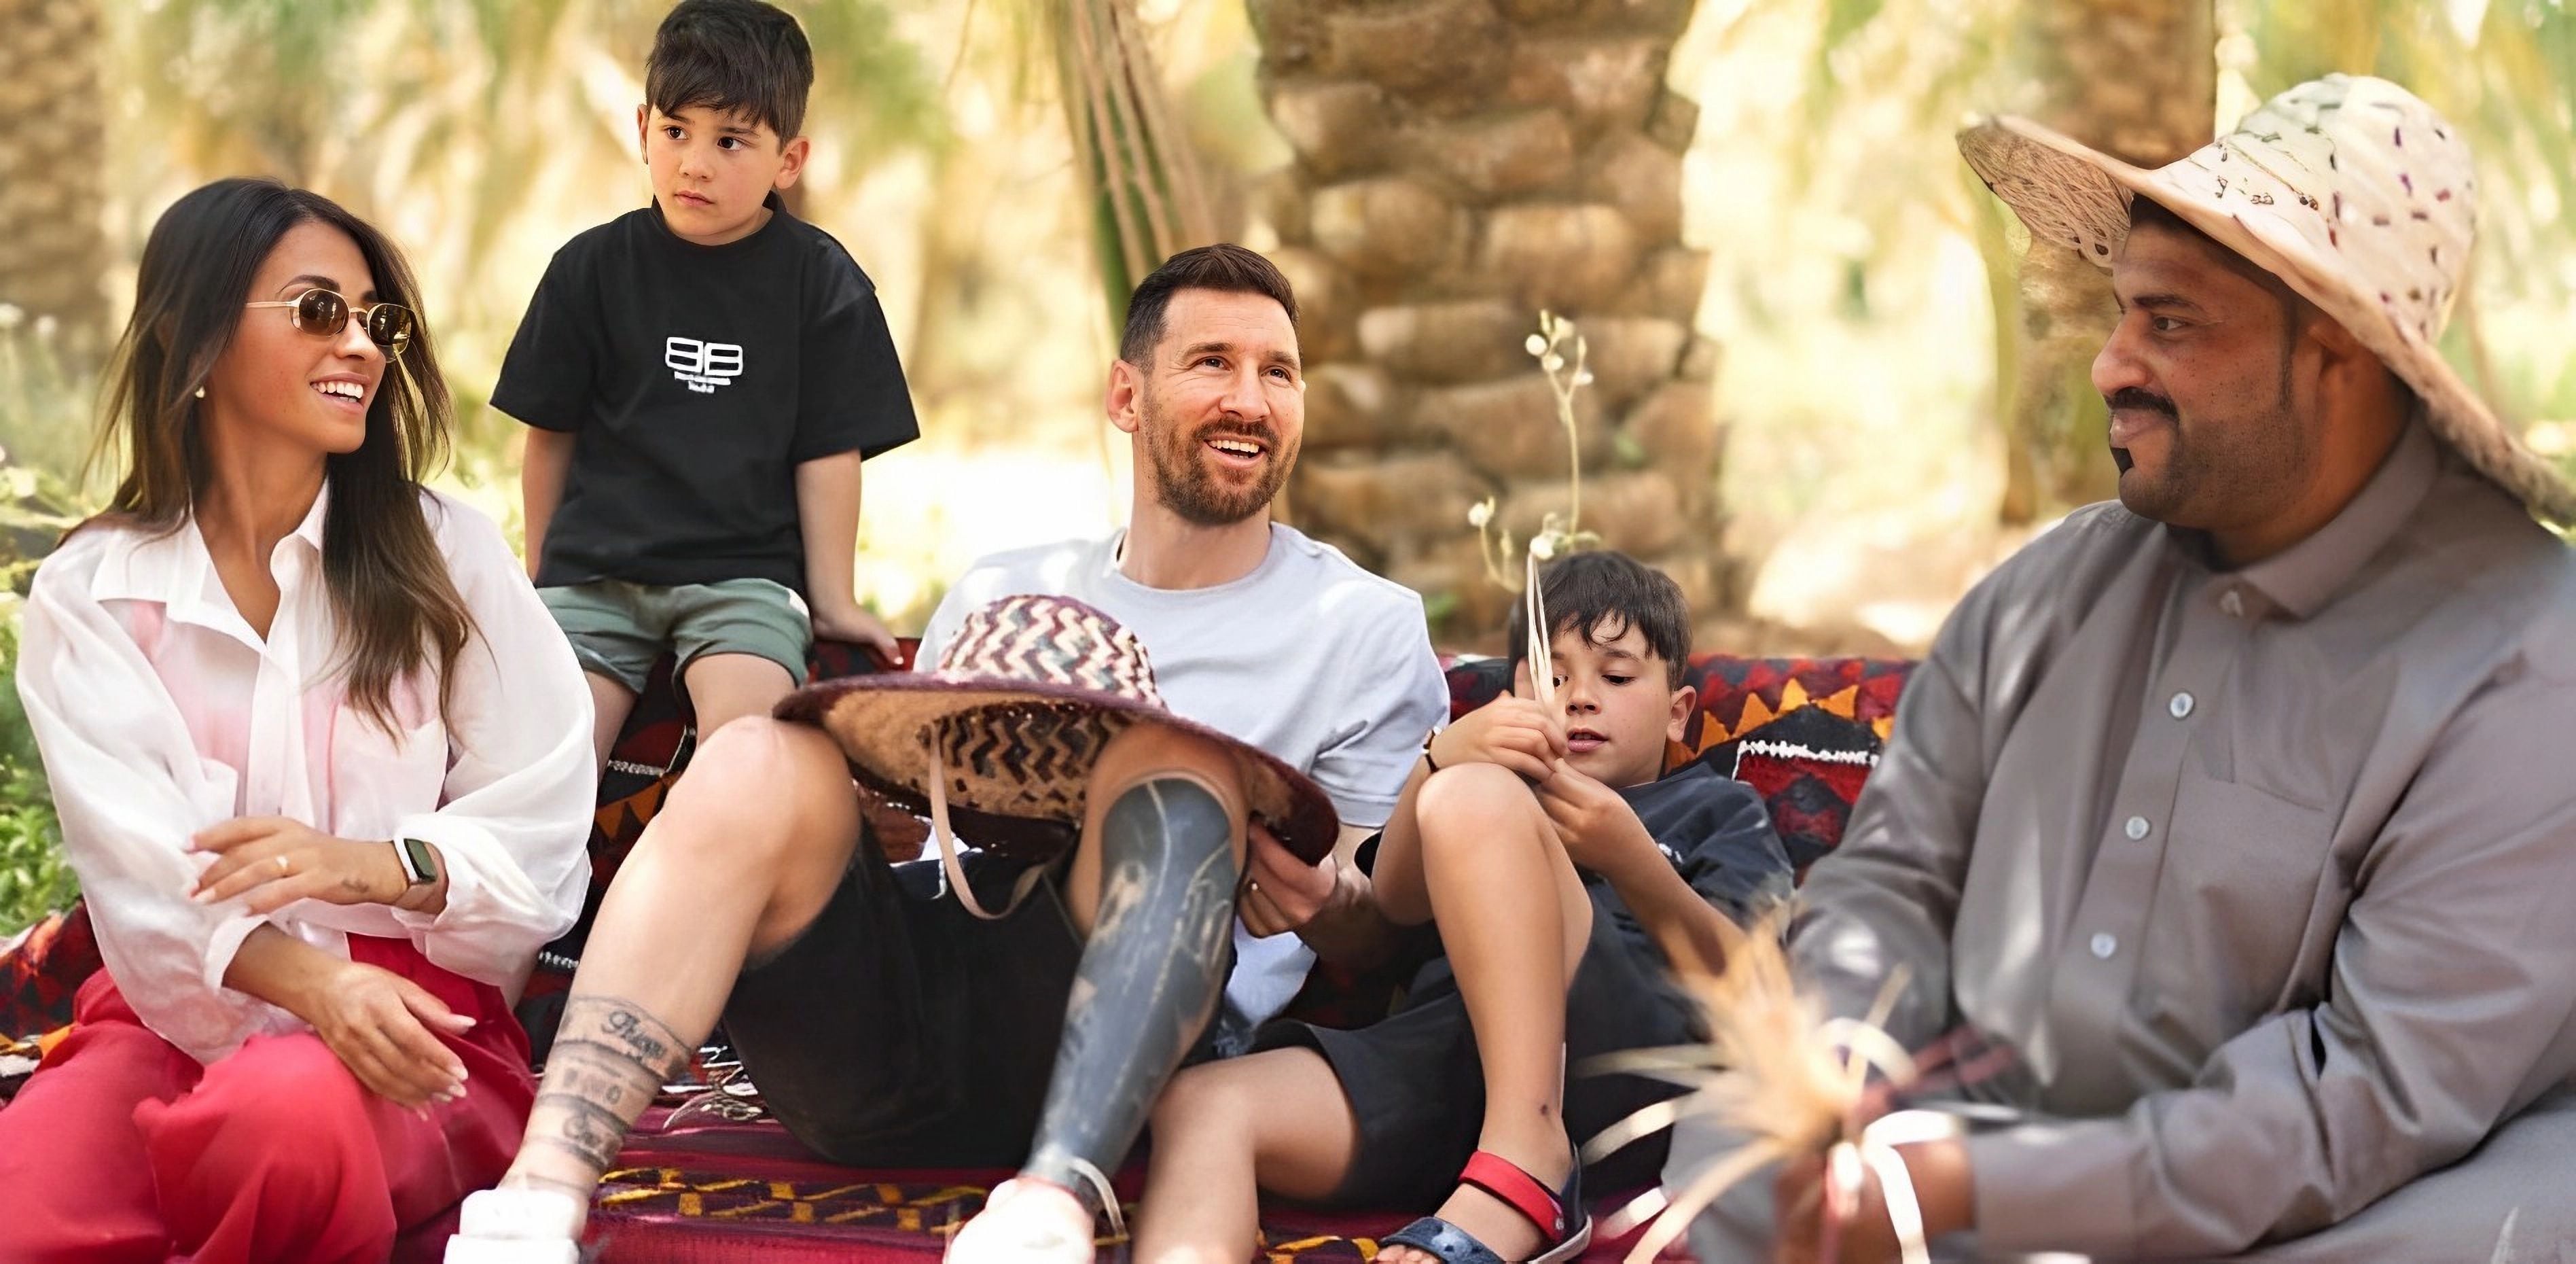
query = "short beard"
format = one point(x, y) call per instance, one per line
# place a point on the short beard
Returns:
point(2248, 465)
point(1183, 483)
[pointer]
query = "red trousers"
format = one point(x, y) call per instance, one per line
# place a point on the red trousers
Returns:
point(121, 1147)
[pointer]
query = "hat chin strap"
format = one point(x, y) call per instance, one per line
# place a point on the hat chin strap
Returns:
point(946, 838)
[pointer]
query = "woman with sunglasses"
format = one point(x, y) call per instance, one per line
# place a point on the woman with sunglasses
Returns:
point(323, 766)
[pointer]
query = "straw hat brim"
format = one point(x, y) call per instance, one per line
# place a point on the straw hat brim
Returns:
point(2068, 193)
point(1028, 747)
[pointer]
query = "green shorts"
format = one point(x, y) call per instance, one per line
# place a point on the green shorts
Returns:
point(619, 630)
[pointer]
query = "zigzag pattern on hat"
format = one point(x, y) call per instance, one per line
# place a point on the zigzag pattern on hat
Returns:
point(1041, 749)
point(1053, 641)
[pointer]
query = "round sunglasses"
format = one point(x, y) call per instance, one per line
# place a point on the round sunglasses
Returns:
point(324, 313)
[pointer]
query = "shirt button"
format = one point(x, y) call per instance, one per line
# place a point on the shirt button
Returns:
point(2104, 945)
point(2231, 603)
point(2136, 828)
point(2180, 706)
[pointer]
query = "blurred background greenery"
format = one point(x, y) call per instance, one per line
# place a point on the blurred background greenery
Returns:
point(1857, 392)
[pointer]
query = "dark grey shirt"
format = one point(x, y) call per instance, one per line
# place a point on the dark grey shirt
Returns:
point(2268, 875)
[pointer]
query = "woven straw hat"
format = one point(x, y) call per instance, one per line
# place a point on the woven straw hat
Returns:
point(2351, 190)
point(1026, 696)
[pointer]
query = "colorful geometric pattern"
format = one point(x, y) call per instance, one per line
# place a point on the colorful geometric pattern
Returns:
point(39, 971)
point(1739, 695)
point(1802, 731)
point(732, 1191)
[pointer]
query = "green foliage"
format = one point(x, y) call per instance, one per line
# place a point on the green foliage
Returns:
point(34, 880)
point(2504, 72)
point(44, 430)
point(45, 418)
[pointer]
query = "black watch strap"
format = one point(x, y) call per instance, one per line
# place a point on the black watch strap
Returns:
point(419, 863)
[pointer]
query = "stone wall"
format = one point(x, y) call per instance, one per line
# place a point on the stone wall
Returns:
point(1461, 164)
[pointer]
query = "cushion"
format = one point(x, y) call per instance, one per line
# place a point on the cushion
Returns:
point(40, 968)
point(1803, 731)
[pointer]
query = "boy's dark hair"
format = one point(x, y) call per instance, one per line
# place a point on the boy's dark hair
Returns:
point(1225, 267)
point(1602, 594)
point(732, 55)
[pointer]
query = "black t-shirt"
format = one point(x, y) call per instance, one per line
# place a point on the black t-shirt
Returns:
point(697, 379)
point(1717, 833)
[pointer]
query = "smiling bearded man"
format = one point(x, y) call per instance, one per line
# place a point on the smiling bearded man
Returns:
point(1009, 1007)
point(2238, 809)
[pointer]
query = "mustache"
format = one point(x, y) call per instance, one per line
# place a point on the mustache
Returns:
point(2140, 399)
point(1267, 437)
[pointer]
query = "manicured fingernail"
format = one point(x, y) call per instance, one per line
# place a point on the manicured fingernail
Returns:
point(201, 895)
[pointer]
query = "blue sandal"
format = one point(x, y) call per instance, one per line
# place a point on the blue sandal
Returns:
point(1564, 1227)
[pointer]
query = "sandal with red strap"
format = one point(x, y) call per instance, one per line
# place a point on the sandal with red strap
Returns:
point(1564, 1227)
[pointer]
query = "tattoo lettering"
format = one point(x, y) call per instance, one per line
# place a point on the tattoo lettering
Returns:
point(628, 1025)
point(610, 1057)
point(585, 1131)
point(628, 1031)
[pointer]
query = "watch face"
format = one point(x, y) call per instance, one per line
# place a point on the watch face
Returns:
point(423, 861)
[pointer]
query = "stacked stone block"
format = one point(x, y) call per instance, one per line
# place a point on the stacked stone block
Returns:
point(1461, 164)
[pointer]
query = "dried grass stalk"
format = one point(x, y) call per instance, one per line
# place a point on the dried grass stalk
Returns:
point(1775, 1071)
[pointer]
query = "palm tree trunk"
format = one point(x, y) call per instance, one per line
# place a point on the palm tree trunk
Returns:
point(53, 256)
point(1460, 165)
point(2136, 78)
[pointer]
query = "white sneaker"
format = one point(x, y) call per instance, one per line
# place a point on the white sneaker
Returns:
point(516, 1226)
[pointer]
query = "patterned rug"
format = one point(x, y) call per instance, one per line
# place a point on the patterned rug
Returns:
point(733, 1191)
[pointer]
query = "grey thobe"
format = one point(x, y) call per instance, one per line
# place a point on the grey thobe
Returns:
point(2268, 876)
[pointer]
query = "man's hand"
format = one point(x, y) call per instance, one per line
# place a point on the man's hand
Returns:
point(1516, 733)
point(849, 621)
point(379, 1025)
point(1866, 1235)
point(274, 862)
point(1283, 893)
point(1598, 828)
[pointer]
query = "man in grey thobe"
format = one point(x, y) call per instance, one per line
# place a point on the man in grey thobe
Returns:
point(2242, 811)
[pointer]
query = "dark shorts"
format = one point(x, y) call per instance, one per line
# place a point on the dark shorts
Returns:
point(900, 1031)
point(1417, 1089)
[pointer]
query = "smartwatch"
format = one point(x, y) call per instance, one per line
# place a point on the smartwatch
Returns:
point(419, 863)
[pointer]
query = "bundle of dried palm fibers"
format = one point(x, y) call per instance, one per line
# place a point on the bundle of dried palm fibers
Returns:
point(1791, 1084)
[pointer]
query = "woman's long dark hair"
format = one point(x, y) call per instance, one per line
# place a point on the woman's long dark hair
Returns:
point(389, 585)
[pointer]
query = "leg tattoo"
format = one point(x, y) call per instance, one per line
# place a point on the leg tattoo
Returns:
point(1149, 977)
point(610, 1057)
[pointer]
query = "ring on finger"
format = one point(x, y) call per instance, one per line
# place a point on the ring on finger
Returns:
point(283, 866)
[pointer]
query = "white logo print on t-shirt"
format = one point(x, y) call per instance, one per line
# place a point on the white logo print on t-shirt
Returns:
point(704, 366)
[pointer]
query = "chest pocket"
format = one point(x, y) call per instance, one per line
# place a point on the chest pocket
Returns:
point(2233, 904)
point(379, 776)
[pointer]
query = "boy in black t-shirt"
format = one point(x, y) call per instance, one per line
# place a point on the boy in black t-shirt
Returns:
point(701, 380)
point(1563, 873)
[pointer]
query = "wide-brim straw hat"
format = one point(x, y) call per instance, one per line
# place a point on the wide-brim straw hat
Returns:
point(2352, 191)
point(1025, 698)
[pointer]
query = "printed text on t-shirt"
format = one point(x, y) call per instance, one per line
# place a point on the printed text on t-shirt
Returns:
point(704, 366)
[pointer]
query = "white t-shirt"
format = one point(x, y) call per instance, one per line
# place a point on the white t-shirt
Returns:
point(1309, 657)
